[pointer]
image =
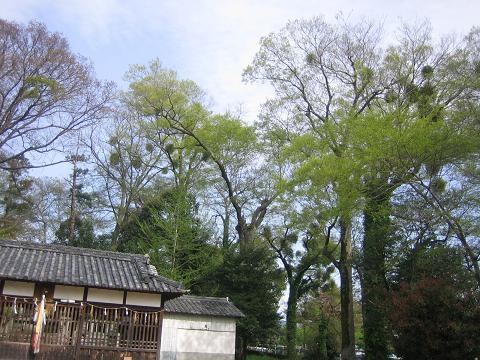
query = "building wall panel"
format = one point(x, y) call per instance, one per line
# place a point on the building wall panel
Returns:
point(205, 341)
point(105, 296)
point(63, 292)
point(143, 299)
point(18, 288)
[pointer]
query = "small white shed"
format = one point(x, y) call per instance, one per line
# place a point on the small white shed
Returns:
point(199, 328)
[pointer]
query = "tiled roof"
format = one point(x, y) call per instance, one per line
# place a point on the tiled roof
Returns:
point(198, 305)
point(79, 266)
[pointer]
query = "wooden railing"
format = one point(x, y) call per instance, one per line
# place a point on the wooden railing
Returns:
point(113, 328)
point(16, 320)
point(101, 328)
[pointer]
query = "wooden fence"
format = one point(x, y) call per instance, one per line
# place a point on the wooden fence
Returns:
point(89, 331)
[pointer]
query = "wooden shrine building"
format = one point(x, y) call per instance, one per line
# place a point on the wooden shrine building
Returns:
point(103, 305)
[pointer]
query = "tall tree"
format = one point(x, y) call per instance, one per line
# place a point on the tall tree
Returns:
point(177, 108)
point(126, 163)
point(303, 269)
point(321, 73)
point(46, 93)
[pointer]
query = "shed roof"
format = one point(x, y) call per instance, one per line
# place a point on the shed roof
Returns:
point(199, 305)
point(82, 267)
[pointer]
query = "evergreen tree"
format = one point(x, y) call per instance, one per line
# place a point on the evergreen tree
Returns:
point(168, 228)
point(80, 227)
point(254, 282)
point(15, 186)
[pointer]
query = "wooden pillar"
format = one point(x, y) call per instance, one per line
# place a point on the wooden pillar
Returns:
point(78, 343)
point(130, 329)
point(159, 337)
point(83, 314)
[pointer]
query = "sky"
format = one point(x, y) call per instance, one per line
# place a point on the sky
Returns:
point(211, 41)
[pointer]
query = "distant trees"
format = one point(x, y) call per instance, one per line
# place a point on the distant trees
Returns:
point(320, 324)
point(305, 269)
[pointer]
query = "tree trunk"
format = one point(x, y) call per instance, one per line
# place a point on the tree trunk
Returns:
point(376, 233)
point(241, 349)
point(346, 291)
point(114, 239)
point(226, 229)
point(73, 206)
point(246, 235)
point(322, 338)
point(292, 323)
point(470, 255)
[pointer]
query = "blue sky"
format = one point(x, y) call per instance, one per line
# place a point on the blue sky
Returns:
point(210, 41)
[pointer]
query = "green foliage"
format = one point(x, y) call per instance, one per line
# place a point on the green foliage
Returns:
point(228, 137)
point(154, 91)
point(169, 110)
point(253, 281)
point(40, 84)
point(84, 234)
point(434, 262)
point(320, 327)
point(15, 201)
point(169, 230)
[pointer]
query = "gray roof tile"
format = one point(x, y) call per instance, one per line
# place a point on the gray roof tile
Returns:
point(79, 266)
point(198, 305)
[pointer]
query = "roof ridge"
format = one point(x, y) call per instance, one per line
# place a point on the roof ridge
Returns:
point(70, 249)
point(195, 297)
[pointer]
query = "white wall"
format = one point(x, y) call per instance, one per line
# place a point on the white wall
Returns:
point(205, 341)
point(197, 334)
point(143, 299)
point(64, 292)
point(105, 296)
point(18, 288)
